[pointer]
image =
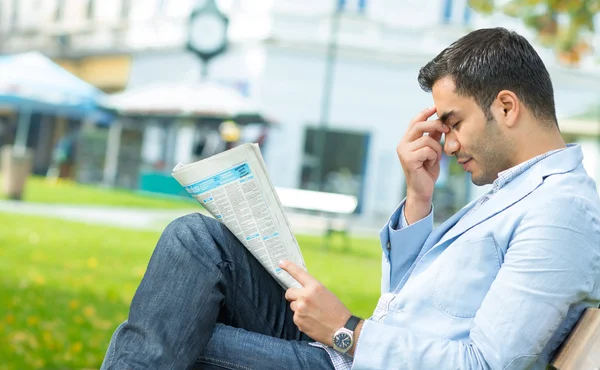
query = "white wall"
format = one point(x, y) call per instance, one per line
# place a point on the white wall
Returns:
point(371, 94)
point(368, 96)
point(375, 97)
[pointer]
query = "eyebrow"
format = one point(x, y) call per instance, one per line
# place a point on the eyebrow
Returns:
point(446, 116)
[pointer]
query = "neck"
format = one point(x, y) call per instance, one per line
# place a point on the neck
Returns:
point(537, 142)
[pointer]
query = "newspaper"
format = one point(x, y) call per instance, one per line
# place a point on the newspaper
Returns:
point(235, 188)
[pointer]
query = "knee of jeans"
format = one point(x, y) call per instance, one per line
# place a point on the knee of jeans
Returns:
point(110, 352)
point(193, 231)
point(186, 225)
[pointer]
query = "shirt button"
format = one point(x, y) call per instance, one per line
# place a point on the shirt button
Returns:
point(389, 245)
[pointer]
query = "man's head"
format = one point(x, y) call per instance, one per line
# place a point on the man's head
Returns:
point(492, 89)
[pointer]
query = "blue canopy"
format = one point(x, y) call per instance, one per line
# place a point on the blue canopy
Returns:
point(33, 81)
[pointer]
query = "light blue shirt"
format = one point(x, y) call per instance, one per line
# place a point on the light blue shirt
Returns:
point(500, 289)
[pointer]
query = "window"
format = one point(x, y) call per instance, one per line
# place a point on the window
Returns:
point(456, 12)
point(339, 166)
point(353, 5)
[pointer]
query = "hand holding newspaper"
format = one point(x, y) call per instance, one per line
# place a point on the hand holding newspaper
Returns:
point(235, 188)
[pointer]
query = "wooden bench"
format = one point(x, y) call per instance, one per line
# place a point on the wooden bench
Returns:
point(336, 208)
point(581, 349)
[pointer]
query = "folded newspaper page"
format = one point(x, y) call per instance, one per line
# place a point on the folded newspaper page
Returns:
point(235, 188)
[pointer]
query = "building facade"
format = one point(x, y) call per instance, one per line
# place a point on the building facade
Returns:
point(280, 55)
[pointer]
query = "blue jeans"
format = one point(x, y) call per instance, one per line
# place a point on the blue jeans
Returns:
point(206, 303)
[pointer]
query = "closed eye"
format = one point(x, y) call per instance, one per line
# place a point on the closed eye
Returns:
point(456, 125)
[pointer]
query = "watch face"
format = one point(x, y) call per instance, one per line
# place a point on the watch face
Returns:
point(208, 32)
point(342, 340)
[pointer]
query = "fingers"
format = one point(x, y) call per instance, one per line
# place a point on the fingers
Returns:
point(423, 115)
point(436, 135)
point(426, 154)
point(297, 272)
point(292, 294)
point(427, 141)
point(418, 129)
point(298, 306)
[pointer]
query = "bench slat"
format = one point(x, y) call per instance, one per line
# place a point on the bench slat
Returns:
point(581, 349)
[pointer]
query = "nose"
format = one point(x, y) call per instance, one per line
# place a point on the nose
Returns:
point(451, 145)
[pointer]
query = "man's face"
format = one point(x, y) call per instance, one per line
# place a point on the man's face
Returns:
point(479, 144)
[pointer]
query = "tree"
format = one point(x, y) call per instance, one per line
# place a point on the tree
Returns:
point(567, 26)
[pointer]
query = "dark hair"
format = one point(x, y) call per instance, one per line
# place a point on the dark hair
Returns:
point(487, 61)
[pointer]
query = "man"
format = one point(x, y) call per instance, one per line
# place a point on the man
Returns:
point(497, 286)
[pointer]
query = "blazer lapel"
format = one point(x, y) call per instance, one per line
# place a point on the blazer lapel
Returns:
point(561, 162)
point(510, 194)
point(439, 232)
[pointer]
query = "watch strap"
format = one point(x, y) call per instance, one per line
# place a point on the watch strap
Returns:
point(352, 322)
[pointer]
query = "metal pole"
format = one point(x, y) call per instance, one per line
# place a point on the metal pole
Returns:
point(22, 131)
point(327, 90)
point(203, 79)
point(113, 145)
point(204, 71)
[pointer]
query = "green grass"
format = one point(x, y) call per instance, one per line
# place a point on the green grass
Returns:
point(65, 286)
point(41, 190)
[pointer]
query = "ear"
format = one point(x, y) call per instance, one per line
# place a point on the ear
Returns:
point(507, 107)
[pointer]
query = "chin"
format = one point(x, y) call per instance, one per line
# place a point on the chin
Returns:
point(479, 181)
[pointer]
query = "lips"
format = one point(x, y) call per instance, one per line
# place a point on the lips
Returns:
point(465, 163)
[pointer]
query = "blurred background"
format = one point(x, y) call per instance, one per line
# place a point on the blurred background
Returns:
point(99, 100)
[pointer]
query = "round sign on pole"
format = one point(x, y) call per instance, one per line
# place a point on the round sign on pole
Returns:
point(207, 31)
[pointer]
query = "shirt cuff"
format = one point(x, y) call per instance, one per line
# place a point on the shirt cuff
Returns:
point(399, 222)
point(403, 221)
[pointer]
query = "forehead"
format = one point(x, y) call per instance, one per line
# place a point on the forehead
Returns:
point(446, 99)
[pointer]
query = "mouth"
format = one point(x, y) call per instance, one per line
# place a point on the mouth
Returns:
point(465, 163)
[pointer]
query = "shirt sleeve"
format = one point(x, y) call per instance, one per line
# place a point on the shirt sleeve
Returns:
point(401, 246)
point(399, 221)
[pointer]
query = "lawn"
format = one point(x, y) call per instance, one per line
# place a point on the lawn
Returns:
point(41, 190)
point(65, 286)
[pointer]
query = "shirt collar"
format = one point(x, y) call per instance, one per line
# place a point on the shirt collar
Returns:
point(512, 173)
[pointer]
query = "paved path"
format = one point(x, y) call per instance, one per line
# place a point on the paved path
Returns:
point(155, 219)
point(134, 218)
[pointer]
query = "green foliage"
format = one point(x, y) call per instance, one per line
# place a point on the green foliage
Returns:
point(564, 25)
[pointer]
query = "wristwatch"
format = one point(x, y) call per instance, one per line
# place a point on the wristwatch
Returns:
point(343, 339)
